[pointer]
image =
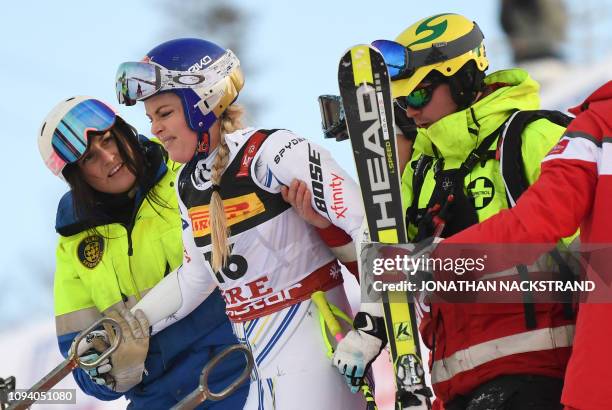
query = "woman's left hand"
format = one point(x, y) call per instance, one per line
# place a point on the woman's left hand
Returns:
point(299, 196)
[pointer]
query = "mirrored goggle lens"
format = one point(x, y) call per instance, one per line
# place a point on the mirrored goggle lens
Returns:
point(70, 137)
point(394, 55)
point(135, 81)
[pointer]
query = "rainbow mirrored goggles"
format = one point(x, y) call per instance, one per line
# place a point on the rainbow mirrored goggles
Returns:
point(402, 62)
point(69, 139)
point(136, 81)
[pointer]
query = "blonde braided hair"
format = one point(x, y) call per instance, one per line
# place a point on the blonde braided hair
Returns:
point(230, 121)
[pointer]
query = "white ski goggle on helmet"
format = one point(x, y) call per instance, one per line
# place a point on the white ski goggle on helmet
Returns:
point(136, 81)
point(64, 134)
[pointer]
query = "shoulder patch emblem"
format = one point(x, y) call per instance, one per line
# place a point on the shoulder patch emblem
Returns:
point(559, 148)
point(90, 251)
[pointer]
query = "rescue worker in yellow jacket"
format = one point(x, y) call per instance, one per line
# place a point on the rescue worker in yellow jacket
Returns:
point(480, 142)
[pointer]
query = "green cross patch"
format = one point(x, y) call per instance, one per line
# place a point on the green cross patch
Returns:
point(481, 191)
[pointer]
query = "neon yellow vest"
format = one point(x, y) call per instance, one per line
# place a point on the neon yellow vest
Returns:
point(453, 142)
point(95, 270)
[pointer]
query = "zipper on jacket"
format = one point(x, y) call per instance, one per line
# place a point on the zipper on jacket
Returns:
point(129, 238)
point(129, 228)
point(139, 200)
point(130, 253)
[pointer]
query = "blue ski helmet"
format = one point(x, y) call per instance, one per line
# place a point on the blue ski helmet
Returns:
point(205, 76)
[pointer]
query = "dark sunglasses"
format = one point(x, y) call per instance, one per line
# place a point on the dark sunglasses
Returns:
point(418, 98)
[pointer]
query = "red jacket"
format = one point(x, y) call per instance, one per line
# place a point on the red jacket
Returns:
point(574, 190)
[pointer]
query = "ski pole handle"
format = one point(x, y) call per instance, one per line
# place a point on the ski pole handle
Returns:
point(246, 372)
point(73, 352)
point(70, 363)
point(203, 392)
point(329, 317)
point(332, 323)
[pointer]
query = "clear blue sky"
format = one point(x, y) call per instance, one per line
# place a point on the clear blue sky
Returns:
point(52, 50)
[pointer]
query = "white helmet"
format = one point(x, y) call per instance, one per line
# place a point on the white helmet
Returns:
point(63, 135)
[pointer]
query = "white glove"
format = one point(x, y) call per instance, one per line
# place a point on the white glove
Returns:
point(356, 352)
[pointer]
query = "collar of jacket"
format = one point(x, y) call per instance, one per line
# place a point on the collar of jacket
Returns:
point(602, 95)
point(67, 223)
point(457, 134)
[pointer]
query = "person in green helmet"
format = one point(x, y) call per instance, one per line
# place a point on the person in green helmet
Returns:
point(484, 356)
point(517, 353)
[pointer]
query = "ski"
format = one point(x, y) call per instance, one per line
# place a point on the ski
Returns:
point(366, 96)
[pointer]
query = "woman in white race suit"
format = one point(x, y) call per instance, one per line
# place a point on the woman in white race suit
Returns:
point(238, 233)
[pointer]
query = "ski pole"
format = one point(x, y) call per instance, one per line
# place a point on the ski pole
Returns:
point(329, 312)
point(72, 362)
point(203, 393)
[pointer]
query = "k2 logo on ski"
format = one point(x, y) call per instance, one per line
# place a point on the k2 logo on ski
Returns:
point(402, 331)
